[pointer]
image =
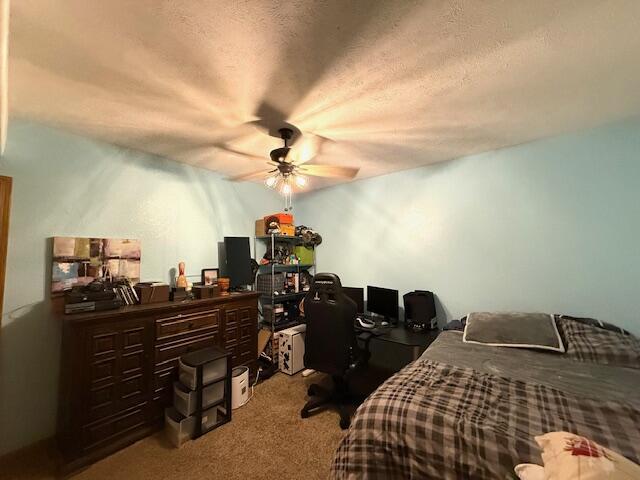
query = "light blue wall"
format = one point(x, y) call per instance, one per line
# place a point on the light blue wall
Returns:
point(549, 226)
point(66, 185)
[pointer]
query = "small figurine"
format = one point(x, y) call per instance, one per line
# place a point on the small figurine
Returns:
point(273, 228)
point(181, 281)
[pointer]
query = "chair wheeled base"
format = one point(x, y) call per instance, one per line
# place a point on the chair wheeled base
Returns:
point(339, 396)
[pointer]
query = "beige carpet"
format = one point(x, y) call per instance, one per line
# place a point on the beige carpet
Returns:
point(266, 439)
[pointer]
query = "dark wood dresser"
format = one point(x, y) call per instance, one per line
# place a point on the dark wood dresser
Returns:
point(118, 367)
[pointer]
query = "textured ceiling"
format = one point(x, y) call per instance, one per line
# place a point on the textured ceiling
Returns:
point(392, 84)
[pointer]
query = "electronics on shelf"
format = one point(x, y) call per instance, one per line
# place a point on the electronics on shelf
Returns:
point(93, 306)
point(420, 311)
point(357, 295)
point(419, 308)
point(367, 323)
point(235, 262)
point(383, 302)
point(98, 296)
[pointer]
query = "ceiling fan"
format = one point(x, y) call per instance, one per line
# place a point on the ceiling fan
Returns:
point(291, 167)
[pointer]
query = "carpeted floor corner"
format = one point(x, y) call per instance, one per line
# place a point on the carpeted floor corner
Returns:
point(266, 439)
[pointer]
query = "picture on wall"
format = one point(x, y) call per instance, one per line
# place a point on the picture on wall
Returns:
point(79, 261)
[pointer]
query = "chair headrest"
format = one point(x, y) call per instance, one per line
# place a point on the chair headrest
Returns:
point(325, 284)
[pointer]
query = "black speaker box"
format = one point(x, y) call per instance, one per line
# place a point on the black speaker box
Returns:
point(420, 310)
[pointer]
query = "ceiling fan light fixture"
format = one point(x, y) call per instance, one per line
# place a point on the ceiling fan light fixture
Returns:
point(271, 181)
point(289, 169)
point(286, 189)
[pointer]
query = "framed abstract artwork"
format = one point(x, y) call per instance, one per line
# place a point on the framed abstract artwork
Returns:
point(80, 260)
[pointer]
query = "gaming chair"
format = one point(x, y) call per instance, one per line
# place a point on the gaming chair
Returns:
point(330, 343)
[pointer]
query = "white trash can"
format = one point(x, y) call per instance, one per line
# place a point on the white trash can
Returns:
point(239, 387)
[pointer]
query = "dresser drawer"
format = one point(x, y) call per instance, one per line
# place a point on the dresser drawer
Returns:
point(99, 433)
point(247, 352)
point(132, 363)
point(242, 353)
point(112, 398)
point(170, 352)
point(102, 402)
point(194, 323)
point(163, 379)
point(163, 390)
point(103, 370)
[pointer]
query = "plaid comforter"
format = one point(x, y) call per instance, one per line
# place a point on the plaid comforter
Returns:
point(437, 421)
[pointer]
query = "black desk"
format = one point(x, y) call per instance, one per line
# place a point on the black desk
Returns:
point(393, 348)
point(416, 341)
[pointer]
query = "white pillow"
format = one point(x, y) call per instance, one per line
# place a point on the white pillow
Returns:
point(568, 456)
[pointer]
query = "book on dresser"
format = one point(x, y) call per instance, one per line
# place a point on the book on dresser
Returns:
point(118, 367)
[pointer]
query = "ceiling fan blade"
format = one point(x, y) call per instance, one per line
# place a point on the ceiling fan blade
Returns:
point(306, 149)
point(217, 146)
point(250, 176)
point(271, 119)
point(233, 151)
point(330, 171)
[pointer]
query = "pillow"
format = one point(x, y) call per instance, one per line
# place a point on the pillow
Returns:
point(596, 323)
point(568, 456)
point(522, 330)
point(589, 343)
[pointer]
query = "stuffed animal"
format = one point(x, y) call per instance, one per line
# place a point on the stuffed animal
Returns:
point(273, 228)
point(310, 237)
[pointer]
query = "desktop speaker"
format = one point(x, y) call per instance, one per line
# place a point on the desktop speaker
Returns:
point(420, 311)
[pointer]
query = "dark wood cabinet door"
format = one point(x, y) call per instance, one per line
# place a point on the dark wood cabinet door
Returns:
point(118, 373)
point(240, 333)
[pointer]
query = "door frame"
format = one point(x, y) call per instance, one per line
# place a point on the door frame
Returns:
point(6, 184)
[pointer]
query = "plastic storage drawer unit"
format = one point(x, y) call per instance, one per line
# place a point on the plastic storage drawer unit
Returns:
point(181, 429)
point(210, 373)
point(184, 400)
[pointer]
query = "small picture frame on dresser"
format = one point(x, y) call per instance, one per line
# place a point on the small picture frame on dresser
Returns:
point(209, 276)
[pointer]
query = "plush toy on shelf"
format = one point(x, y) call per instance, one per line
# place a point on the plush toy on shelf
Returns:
point(273, 227)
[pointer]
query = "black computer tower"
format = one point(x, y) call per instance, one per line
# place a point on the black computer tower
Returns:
point(420, 310)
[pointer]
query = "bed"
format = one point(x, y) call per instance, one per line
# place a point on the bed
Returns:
point(471, 411)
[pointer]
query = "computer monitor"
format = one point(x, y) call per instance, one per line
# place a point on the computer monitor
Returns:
point(382, 301)
point(237, 261)
point(357, 295)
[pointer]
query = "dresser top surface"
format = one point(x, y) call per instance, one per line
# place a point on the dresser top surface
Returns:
point(156, 308)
